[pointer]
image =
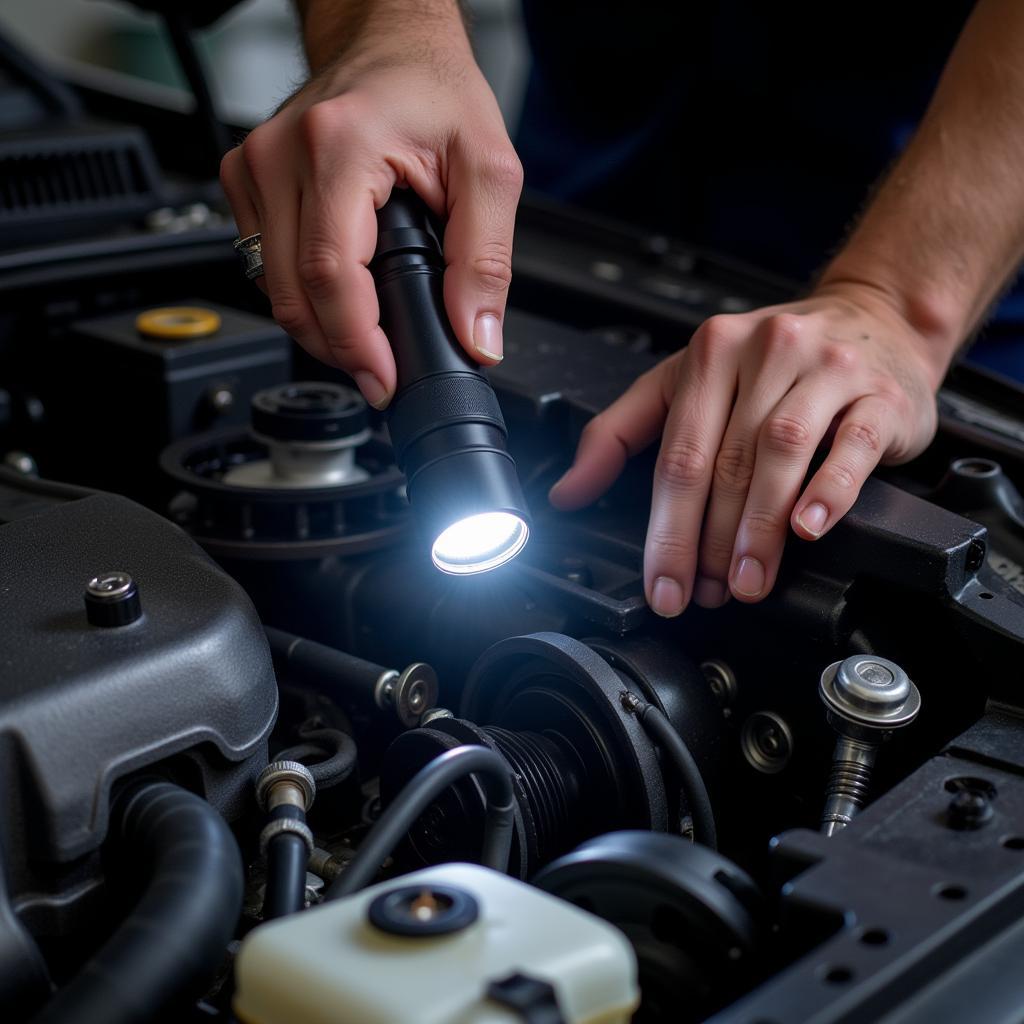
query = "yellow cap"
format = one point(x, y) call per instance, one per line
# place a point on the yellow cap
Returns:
point(170, 323)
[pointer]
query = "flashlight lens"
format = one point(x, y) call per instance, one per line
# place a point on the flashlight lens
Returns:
point(481, 542)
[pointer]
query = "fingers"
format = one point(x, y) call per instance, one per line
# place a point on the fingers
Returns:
point(785, 445)
point(233, 180)
point(337, 235)
point(864, 437)
point(483, 193)
point(682, 479)
point(624, 429)
point(763, 381)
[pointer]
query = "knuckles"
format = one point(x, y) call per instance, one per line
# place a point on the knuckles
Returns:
point(712, 340)
point(320, 269)
point(290, 315)
point(866, 436)
point(734, 468)
point(682, 465)
point(783, 334)
point(840, 476)
point(763, 522)
point(501, 169)
point(671, 548)
point(492, 267)
point(786, 435)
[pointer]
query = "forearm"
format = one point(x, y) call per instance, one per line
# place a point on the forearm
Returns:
point(946, 228)
point(332, 28)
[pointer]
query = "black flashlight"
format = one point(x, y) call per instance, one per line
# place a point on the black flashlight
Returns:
point(445, 423)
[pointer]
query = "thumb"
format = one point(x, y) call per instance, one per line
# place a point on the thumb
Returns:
point(482, 199)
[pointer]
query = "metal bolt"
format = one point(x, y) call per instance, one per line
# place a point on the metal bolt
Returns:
point(575, 570)
point(969, 809)
point(220, 398)
point(631, 702)
point(325, 865)
point(109, 586)
point(408, 693)
point(721, 680)
point(21, 462)
point(112, 599)
point(866, 698)
point(767, 742)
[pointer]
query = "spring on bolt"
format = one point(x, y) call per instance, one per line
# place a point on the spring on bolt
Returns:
point(849, 781)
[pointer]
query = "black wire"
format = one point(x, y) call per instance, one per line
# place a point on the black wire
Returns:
point(417, 795)
point(660, 729)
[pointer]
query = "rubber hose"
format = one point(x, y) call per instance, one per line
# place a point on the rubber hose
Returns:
point(173, 941)
point(417, 795)
point(286, 876)
point(333, 753)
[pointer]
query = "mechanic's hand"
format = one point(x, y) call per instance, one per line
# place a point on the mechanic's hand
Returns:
point(403, 111)
point(744, 407)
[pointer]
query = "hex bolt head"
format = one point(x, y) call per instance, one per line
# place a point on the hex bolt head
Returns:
point(112, 599)
point(968, 810)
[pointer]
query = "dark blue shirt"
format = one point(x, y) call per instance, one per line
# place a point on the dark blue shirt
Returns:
point(755, 128)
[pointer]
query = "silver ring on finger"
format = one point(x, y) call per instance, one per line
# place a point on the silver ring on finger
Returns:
point(250, 255)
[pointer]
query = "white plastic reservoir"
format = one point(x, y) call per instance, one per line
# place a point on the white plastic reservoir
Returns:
point(331, 965)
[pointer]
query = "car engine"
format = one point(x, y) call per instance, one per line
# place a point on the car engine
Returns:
point(261, 761)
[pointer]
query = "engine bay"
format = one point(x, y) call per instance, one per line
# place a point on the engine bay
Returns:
point(227, 658)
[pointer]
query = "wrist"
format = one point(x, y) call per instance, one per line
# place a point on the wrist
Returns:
point(936, 318)
point(343, 30)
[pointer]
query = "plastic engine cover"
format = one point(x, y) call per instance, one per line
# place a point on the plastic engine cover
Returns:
point(333, 965)
point(83, 705)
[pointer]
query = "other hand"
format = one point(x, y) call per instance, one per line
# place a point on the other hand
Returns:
point(743, 408)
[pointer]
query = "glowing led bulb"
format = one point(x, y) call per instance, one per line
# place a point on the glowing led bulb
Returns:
point(478, 543)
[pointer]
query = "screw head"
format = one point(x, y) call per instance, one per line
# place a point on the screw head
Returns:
point(22, 463)
point(766, 742)
point(220, 398)
point(112, 599)
point(415, 691)
point(109, 586)
point(968, 810)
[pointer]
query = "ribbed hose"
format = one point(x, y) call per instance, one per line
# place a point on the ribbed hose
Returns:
point(549, 781)
point(172, 942)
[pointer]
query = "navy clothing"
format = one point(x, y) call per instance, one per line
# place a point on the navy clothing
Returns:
point(754, 128)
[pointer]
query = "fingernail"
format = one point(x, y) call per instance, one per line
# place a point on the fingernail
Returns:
point(749, 578)
point(709, 593)
point(813, 518)
point(487, 336)
point(373, 391)
point(666, 597)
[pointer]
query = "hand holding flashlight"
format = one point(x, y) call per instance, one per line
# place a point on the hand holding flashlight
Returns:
point(446, 426)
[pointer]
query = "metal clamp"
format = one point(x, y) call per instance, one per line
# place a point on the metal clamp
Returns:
point(281, 826)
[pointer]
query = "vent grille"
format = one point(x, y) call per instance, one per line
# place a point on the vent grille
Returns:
point(31, 182)
point(62, 183)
